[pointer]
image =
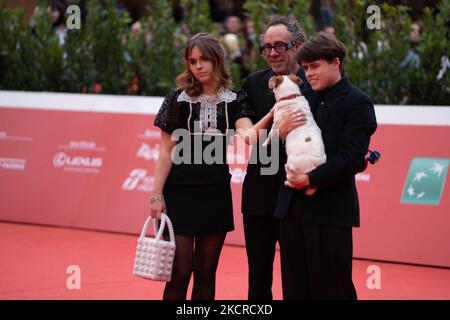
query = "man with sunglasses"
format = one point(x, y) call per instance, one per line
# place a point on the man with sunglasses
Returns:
point(280, 44)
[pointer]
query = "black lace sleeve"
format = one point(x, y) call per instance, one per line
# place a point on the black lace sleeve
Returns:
point(169, 117)
point(243, 107)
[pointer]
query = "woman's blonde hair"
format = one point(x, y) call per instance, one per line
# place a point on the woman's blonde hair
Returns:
point(212, 50)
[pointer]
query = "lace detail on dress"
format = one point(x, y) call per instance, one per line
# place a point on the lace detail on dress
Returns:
point(207, 121)
point(169, 117)
point(224, 95)
point(208, 115)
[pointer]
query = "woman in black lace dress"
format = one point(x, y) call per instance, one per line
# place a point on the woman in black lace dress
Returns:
point(193, 186)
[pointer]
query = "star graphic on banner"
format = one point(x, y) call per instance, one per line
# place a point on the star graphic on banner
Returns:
point(437, 169)
point(420, 175)
point(420, 195)
point(411, 191)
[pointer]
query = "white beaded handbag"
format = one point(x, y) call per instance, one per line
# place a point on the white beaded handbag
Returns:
point(154, 256)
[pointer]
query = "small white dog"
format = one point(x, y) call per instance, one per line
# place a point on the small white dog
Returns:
point(304, 145)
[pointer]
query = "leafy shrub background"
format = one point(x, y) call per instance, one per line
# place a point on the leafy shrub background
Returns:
point(105, 53)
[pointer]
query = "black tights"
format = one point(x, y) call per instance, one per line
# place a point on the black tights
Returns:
point(201, 260)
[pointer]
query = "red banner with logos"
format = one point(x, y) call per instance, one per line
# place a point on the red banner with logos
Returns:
point(68, 161)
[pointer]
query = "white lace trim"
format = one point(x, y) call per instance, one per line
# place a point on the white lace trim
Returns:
point(208, 108)
point(224, 95)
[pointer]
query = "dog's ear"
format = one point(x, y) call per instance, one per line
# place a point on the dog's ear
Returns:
point(274, 81)
point(295, 79)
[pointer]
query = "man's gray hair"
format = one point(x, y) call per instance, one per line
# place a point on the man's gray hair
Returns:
point(297, 32)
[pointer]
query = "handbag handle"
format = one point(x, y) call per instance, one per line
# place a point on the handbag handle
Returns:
point(159, 230)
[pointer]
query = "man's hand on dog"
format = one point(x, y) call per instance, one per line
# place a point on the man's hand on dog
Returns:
point(295, 179)
point(292, 118)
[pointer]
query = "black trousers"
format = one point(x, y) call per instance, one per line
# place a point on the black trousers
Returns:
point(261, 235)
point(317, 261)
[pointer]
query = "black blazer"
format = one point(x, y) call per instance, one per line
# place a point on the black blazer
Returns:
point(347, 119)
point(260, 192)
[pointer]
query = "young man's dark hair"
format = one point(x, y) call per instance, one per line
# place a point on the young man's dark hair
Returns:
point(322, 46)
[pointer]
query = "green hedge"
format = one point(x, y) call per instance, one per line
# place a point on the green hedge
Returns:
point(103, 56)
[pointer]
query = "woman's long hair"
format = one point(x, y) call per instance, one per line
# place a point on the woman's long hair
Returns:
point(211, 49)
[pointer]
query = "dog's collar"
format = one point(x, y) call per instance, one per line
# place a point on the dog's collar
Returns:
point(292, 96)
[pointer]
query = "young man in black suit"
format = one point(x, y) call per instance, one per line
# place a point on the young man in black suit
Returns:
point(316, 234)
point(281, 41)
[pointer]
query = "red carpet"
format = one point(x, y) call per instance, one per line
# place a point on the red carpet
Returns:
point(34, 261)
